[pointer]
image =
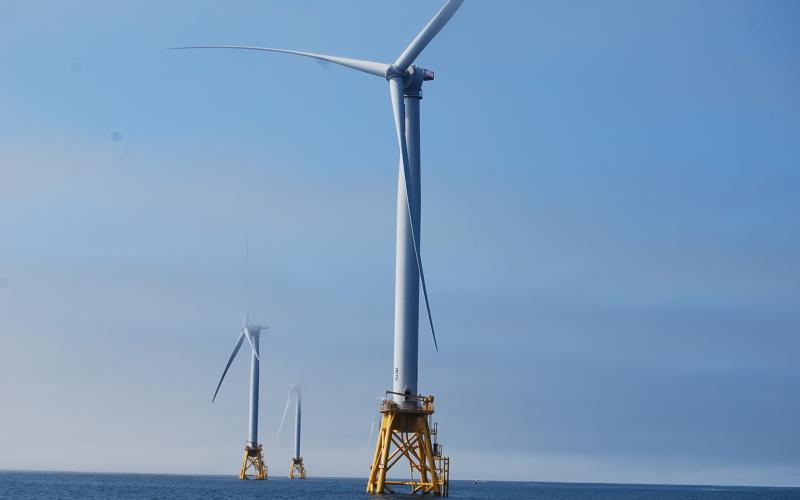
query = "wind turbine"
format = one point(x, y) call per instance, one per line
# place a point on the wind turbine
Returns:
point(253, 453)
point(297, 469)
point(406, 414)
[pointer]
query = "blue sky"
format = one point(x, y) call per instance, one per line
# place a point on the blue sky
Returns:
point(610, 230)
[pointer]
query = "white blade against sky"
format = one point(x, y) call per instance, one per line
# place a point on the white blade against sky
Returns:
point(230, 360)
point(371, 67)
point(426, 35)
point(283, 418)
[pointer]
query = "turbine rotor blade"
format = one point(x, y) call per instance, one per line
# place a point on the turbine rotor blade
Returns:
point(424, 37)
point(246, 332)
point(396, 85)
point(230, 360)
point(246, 279)
point(371, 431)
point(285, 411)
point(371, 67)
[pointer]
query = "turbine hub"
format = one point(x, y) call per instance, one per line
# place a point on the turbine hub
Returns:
point(411, 76)
point(412, 79)
point(393, 72)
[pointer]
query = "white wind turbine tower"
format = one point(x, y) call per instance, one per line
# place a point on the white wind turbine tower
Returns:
point(404, 421)
point(253, 459)
point(297, 469)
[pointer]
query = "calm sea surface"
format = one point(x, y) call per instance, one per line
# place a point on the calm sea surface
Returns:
point(58, 485)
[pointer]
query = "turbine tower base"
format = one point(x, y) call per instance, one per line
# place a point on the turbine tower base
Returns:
point(405, 433)
point(253, 463)
point(297, 470)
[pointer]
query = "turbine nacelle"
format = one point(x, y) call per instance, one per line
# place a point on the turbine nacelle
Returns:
point(412, 77)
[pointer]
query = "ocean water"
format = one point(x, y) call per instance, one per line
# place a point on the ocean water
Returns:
point(69, 485)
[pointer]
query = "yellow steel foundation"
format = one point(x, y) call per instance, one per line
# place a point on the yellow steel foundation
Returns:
point(297, 470)
point(405, 433)
point(253, 462)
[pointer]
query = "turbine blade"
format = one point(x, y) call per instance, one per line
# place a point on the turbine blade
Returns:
point(283, 418)
point(371, 430)
point(246, 332)
point(371, 67)
point(233, 355)
point(399, 109)
point(424, 37)
point(246, 279)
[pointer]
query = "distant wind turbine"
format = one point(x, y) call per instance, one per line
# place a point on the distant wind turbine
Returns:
point(253, 453)
point(297, 469)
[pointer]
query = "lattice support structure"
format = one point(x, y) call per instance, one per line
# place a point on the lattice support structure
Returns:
point(297, 470)
point(253, 464)
point(406, 436)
